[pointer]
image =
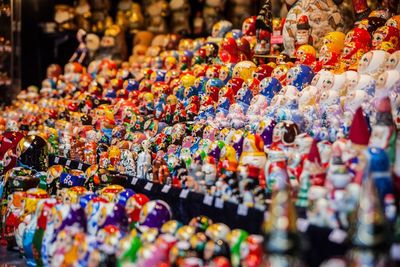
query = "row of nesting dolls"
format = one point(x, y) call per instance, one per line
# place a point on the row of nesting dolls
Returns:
point(118, 226)
point(210, 93)
point(113, 226)
point(242, 166)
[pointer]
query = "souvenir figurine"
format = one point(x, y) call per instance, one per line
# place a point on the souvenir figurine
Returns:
point(209, 175)
point(299, 76)
point(81, 52)
point(44, 215)
point(212, 12)
point(154, 214)
point(31, 201)
point(284, 134)
point(385, 34)
point(127, 163)
point(306, 55)
point(144, 162)
point(32, 152)
point(360, 228)
point(373, 62)
point(281, 208)
point(12, 217)
point(269, 87)
point(276, 170)
point(219, 30)
point(379, 163)
point(156, 10)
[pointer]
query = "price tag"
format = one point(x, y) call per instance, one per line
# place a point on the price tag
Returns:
point(242, 210)
point(184, 193)
point(80, 166)
point(134, 181)
point(395, 252)
point(148, 186)
point(219, 203)
point(166, 189)
point(337, 236)
point(208, 200)
point(68, 163)
point(56, 160)
point(302, 224)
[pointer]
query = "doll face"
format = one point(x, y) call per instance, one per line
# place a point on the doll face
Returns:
point(378, 38)
point(382, 79)
point(302, 36)
point(393, 61)
point(365, 61)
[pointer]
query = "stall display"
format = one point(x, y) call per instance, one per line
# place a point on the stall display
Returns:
point(203, 152)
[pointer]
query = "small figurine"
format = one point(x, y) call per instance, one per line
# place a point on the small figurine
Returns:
point(157, 11)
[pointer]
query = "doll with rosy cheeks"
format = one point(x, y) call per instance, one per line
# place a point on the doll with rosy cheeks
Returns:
point(308, 97)
point(373, 63)
point(393, 62)
point(387, 83)
point(386, 34)
point(351, 54)
point(257, 107)
point(224, 74)
point(280, 73)
point(306, 55)
point(324, 80)
point(236, 116)
point(327, 99)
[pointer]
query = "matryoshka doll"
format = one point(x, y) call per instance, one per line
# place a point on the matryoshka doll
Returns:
point(276, 170)
point(33, 196)
point(357, 42)
point(306, 55)
point(244, 70)
point(332, 42)
point(253, 151)
point(15, 209)
point(257, 107)
point(133, 207)
point(299, 76)
point(386, 34)
point(249, 30)
point(154, 214)
point(280, 73)
point(284, 135)
point(44, 215)
point(269, 87)
point(228, 52)
point(393, 62)
point(373, 63)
